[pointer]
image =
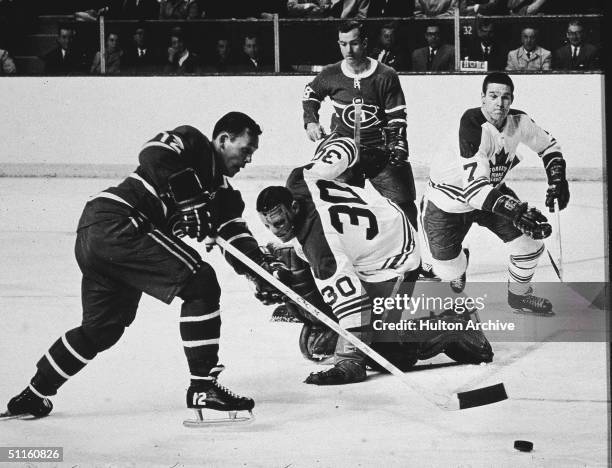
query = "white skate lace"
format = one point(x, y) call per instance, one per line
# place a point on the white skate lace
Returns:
point(226, 390)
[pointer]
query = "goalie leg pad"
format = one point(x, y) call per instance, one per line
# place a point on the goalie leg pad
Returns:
point(471, 347)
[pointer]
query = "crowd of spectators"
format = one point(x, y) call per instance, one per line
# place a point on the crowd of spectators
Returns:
point(135, 52)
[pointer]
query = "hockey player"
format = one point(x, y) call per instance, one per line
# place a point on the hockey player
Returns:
point(471, 189)
point(359, 245)
point(128, 243)
point(359, 81)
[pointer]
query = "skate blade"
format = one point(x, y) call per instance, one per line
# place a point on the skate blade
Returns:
point(232, 419)
point(9, 416)
point(535, 314)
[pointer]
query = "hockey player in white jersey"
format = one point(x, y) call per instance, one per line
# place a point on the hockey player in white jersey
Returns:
point(358, 244)
point(471, 188)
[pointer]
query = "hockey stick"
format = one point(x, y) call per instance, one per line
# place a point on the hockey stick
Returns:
point(478, 397)
point(558, 264)
point(357, 127)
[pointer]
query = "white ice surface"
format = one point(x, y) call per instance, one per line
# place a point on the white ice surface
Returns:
point(125, 408)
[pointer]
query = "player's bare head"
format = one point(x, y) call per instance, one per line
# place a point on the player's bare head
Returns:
point(497, 96)
point(236, 138)
point(352, 41)
point(278, 211)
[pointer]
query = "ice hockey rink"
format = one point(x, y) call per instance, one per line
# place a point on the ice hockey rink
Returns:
point(125, 409)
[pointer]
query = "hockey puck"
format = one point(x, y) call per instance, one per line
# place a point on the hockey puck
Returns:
point(523, 445)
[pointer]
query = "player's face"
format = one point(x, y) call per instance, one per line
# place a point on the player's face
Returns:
point(528, 39)
point(237, 152)
point(496, 103)
point(352, 47)
point(280, 221)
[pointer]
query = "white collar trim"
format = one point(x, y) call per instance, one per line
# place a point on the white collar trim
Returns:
point(369, 72)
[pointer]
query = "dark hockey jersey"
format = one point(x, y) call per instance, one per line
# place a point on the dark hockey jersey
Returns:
point(144, 195)
point(383, 100)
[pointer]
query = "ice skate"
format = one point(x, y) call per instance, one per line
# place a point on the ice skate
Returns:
point(344, 372)
point(426, 273)
point(529, 304)
point(458, 284)
point(210, 395)
point(27, 405)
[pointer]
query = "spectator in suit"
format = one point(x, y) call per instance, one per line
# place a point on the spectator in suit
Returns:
point(112, 55)
point(391, 9)
point(432, 8)
point(251, 60)
point(386, 50)
point(576, 54)
point(485, 48)
point(222, 61)
point(7, 65)
point(140, 58)
point(530, 56)
point(437, 56)
point(180, 59)
point(65, 59)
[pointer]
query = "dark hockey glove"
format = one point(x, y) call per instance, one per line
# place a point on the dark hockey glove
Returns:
point(529, 220)
point(264, 291)
point(397, 144)
point(192, 218)
point(558, 188)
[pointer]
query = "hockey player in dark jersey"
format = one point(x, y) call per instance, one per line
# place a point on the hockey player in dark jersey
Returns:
point(128, 242)
point(359, 246)
point(471, 189)
point(361, 85)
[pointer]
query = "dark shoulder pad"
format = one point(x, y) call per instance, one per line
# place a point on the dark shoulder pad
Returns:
point(470, 132)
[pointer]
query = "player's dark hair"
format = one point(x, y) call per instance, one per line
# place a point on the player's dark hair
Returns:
point(235, 123)
point(349, 25)
point(499, 78)
point(273, 196)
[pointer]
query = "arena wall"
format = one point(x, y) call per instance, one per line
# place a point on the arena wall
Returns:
point(96, 125)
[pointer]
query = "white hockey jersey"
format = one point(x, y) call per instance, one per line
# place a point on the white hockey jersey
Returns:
point(350, 234)
point(486, 155)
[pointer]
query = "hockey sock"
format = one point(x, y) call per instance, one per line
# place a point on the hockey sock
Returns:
point(523, 260)
point(200, 330)
point(67, 356)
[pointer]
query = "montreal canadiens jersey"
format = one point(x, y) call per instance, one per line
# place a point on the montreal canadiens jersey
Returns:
point(380, 90)
point(348, 235)
point(462, 184)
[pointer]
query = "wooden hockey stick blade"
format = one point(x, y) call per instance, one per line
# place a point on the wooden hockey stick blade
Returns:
point(482, 396)
point(439, 400)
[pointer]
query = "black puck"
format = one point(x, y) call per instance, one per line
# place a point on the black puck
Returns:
point(523, 445)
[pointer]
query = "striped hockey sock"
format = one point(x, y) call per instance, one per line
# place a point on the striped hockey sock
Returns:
point(200, 327)
point(67, 356)
point(521, 269)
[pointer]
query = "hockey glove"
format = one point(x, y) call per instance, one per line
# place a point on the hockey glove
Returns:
point(529, 220)
point(264, 291)
point(397, 144)
point(192, 219)
point(558, 188)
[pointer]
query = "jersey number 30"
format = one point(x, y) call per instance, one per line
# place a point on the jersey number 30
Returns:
point(354, 213)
